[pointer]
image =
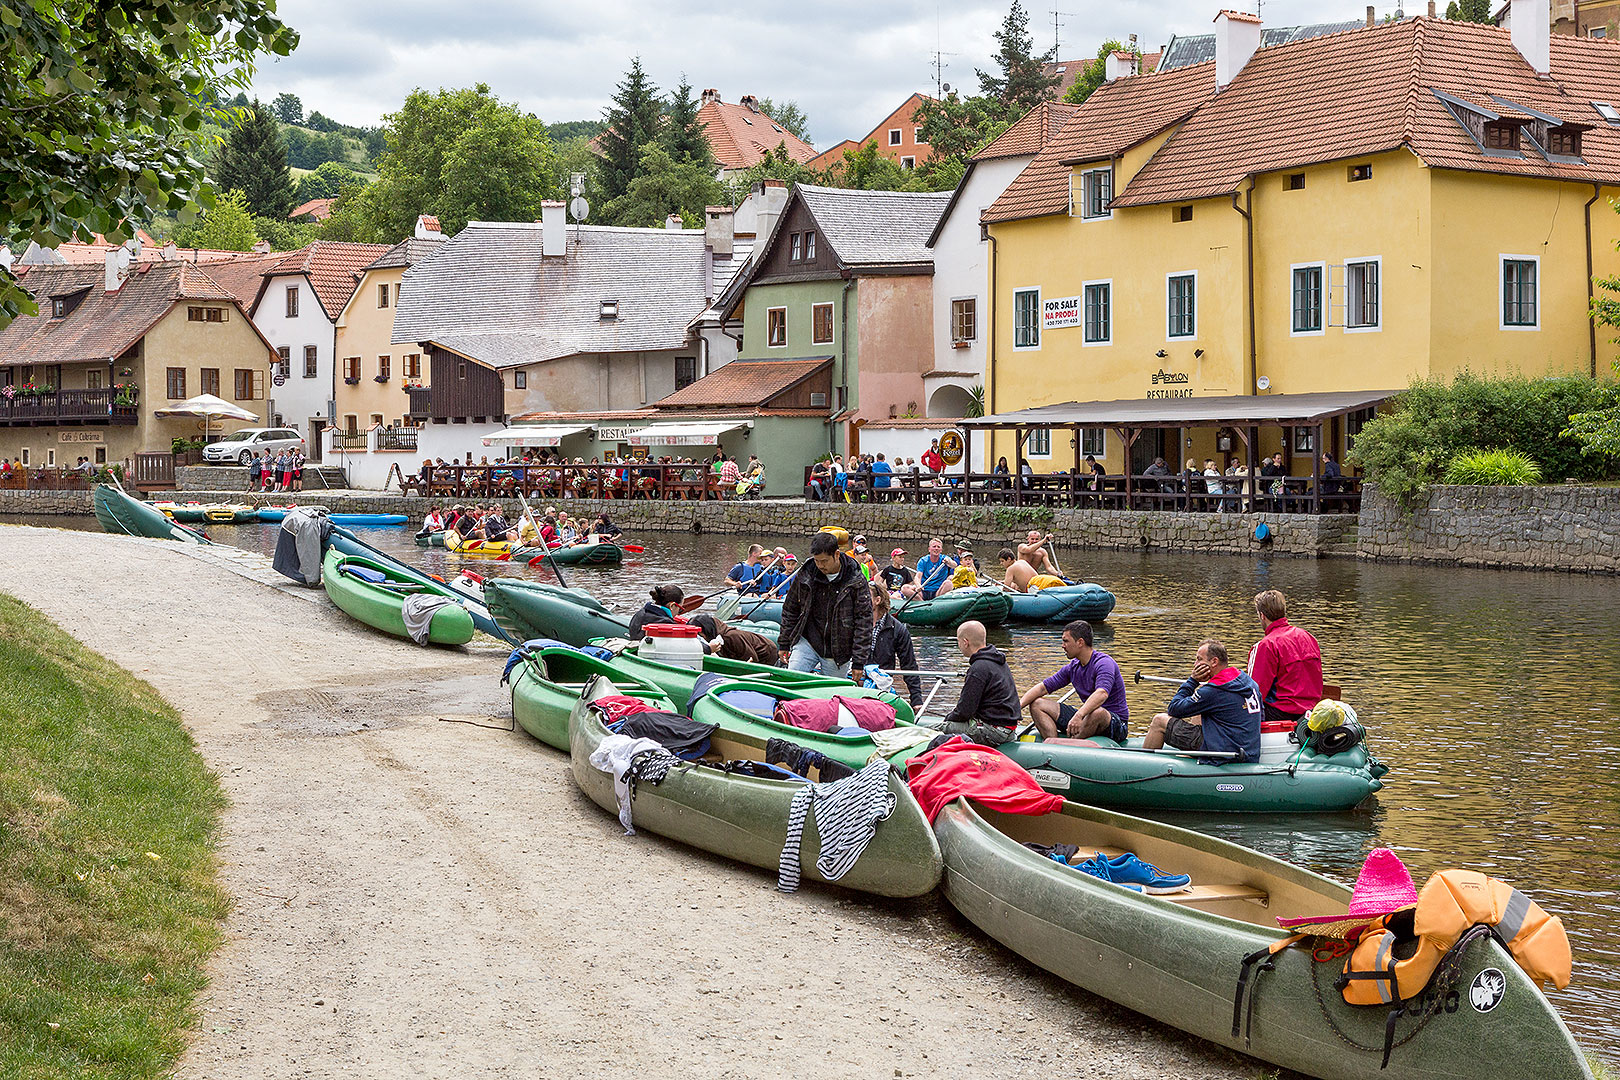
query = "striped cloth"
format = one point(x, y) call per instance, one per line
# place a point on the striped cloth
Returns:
point(847, 816)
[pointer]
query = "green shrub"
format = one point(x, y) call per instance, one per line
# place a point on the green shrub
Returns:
point(1506, 467)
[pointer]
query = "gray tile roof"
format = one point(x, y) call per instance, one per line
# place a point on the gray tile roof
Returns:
point(1184, 50)
point(489, 294)
point(407, 252)
point(874, 228)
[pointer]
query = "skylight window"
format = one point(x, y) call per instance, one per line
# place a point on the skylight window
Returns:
point(1607, 111)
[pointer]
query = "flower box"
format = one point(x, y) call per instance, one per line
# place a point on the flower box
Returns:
point(379, 378)
point(352, 381)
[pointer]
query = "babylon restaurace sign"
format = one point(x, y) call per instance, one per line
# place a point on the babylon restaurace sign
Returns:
point(1061, 311)
point(950, 447)
point(1166, 384)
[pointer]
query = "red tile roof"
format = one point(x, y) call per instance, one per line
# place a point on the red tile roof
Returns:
point(1067, 72)
point(741, 136)
point(319, 209)
point(1029, 132)
point(242, 277)
point(1239, 16)
point(332, 267)
point(744, 383)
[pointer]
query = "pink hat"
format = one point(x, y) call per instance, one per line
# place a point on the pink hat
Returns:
point(1383, 886)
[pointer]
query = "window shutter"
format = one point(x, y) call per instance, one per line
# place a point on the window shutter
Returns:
point(258, 384)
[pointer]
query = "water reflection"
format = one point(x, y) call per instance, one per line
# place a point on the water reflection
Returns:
point(1494, 696)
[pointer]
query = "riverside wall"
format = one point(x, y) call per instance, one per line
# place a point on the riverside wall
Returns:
point(1570, 527)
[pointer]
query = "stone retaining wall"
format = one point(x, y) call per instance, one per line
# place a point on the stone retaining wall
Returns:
point(44, 503)
point(1556, 527)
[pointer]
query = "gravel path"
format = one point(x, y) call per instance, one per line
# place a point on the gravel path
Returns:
point(427, 898)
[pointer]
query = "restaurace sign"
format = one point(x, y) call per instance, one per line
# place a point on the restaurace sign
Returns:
point(1166, 384)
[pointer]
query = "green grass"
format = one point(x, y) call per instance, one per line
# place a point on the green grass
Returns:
point(1600, 1071)
point(108, 900)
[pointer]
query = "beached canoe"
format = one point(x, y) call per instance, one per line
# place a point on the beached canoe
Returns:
point(737, 707)
point(531, 609)
point(745, 817)
point(276, 513)
point(380, 604)
point(206, 513)
point(584, 555)
point(677, 680)
point(547, 683)
point(989, 605)
point(472, 600)
point(1098, 771)
point(121, 513)
point(1176, 957)
point(1062, 604)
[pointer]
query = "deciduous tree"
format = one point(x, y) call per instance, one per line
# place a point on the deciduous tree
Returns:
point(289, 110)
point(1092, 75)
point(788, 116)
point(226, 226)
point(665, 186)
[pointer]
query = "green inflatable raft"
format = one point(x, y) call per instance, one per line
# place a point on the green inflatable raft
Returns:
point(121, 513)
point(988, 605)
point(1062, 604)
point(585, 555)
point(430, 539)
point(381, 604)
point(745, 817)
point(1177, 957)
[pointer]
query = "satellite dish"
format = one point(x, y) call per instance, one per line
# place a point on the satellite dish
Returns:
point(580, 208)
point(1263, 382)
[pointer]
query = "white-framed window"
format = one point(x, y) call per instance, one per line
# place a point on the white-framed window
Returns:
point(809, 246)
point(1094, 441)
point(283, 360)
point(776, 327)
point(1181, 304)
point(908, 162)
point(1026, 319)
point(795, 252)
point(1039, 443)
point(26, 460)
point(351, 367)
point(1519, 291)
point(412, 366)
point(385, 367)
point(821, 324)
point(1096, 192)
point(1305, 304)
point(292, 301)
point(382, 294)
point(894, 136)
point(311, 361)
point(1099, 312)
point(1363, 308)
point(964, 319)
point(1597, 31)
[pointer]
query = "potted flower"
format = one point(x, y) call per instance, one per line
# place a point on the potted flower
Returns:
point(351, 379)
point(379, 378)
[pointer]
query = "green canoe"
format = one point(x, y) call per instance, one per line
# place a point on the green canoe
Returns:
point(430, 539)
point(381, 605)
point(676, 679)
point(547, 683)
point(529, 609)
point(990, 606)
point(586, 555)
point(123, 514)
point(1176, 958)
point(720, 706)
point(745, 818)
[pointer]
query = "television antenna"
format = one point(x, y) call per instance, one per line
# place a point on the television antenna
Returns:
point(939, 66)
point(1056, 15)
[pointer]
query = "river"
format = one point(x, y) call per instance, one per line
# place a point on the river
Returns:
point(1494, 696)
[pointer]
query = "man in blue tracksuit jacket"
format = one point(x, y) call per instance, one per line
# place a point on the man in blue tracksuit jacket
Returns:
point(1217, 709)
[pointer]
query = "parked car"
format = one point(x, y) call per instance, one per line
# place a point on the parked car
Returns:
point(241, 445)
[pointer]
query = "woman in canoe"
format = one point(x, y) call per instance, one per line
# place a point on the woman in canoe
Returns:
point(660, 609)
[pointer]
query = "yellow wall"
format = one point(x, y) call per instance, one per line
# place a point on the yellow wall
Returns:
point(177, 342)
point(366, 330)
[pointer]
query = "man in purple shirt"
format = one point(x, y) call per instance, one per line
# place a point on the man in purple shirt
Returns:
point(1098, 686)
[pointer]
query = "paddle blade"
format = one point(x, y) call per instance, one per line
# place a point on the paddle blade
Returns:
point(728, 608)
point(538, 559)
point(691, 603)
point(634, 549)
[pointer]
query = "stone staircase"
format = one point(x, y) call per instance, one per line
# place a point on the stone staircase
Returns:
point(1344, 547)
point(325, 477)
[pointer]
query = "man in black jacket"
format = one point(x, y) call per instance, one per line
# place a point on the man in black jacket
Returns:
point(988, 709)
point(827, 614)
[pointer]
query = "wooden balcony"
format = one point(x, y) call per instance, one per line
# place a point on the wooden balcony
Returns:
point(69, 407)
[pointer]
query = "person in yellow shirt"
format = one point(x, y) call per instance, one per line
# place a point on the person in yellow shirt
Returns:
point(966, 575)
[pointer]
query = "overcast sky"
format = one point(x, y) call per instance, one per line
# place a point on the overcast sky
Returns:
point(847, 63)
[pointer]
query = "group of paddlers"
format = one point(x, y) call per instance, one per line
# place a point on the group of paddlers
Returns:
point(489, 522)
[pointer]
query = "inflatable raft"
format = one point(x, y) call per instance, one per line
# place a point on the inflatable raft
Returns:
point(603, 554)
point(206, 513)
point(276, 513)
point(1062, 604)
point(989, 605)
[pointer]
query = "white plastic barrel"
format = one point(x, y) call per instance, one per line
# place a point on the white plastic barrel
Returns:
point(1275, 745)
point(673, 643)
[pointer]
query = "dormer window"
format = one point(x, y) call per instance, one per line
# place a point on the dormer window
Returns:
point(1564, 141)
point(1501, 136)
point(58, 307)
point(609, 310)
point(794, 251)
point(1607, 111)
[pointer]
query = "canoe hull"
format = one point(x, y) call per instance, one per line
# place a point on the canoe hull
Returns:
point(432, 539)
point(1179, 965)
point(1086, 601)
point(1128, 780)
point(120, 513)
point(383, 610)
point(988, 606)
point(525, 611)
point(348, 544)
point(745, 818)
point(274, 514)
point(542, 706)
point(587, 555)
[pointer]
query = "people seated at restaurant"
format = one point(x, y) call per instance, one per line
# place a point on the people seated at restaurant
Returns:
point(660, 609)
point(934, 568)
point(1212, 479)
point(1286, 663)
point(1274, 470)
point(820, 487)
point(900, 579)
point(986, 710)
point(1094, 473)
point(1216, 709)
point(1331, 482)
point(1098, 686)
point(1192, 478)
point(882, 472)
point(1160, 469)
point(1001, 470)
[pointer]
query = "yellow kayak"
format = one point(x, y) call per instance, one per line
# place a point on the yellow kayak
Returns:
point(487, 549)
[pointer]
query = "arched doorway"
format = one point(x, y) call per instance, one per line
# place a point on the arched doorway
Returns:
point(949, 400)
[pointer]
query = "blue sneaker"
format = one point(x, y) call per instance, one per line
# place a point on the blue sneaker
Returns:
point(1128, 869)
point(1098, 867)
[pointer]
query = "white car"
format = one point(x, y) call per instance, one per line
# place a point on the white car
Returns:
point(240, 446)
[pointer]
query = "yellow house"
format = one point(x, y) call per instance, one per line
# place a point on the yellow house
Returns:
point(372, 373)
point(1336, 214)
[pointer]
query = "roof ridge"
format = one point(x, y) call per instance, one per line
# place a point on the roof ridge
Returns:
point(1409, 119)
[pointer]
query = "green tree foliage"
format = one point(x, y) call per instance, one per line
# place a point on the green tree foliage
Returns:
point(956, 128)
point(288, 109)
point(1021, 83)
point(564, 130)
point(1408, 448)
point(1477, 11)
point(788, 116)
point(227, 226)
point(325, 181)
point(1092, 77)
point(253, 160)
point(462, 155)
point(99, 107)
point(664, 186)
point(633, 122)
point(683, 136)
point(307, 149)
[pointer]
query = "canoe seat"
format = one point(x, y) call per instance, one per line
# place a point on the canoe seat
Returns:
point(1214, 894)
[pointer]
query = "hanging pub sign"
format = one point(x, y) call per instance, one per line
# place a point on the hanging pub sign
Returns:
point(950, 446)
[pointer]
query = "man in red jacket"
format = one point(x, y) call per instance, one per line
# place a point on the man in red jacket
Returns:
point(1286, 663)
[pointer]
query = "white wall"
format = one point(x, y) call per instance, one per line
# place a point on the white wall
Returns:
point(300, 400)
point(962, 266)
point(912, 441)
point(369, 468)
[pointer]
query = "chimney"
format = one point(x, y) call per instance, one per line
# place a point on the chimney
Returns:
point(708, 96)
point(1118, 64)
point(427, 228)
point(261, 248)
point(1431, 9)
point(770, 199)
point(674, 222)
point(171, 251)
point(1372, 16)
point(553, 230)
point(1530, 23)
point(750, 101)
point(1237, 36)
point(719, 225)
point(117, 268)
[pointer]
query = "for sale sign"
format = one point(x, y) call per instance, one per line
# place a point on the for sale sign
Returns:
point(1061, 311)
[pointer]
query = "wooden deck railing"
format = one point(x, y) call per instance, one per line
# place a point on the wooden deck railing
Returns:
point(105, 406)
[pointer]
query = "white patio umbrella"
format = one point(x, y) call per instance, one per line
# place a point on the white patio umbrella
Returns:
point(208, 407)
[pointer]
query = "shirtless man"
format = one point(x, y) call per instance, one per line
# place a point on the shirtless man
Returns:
point(1033, 551)
point(1019, 572)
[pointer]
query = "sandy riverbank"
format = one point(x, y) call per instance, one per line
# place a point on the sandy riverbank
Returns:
point(426, 898)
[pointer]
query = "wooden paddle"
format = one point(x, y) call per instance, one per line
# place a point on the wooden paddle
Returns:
point(555, 569)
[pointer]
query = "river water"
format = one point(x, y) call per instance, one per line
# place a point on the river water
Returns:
point(1494, 696)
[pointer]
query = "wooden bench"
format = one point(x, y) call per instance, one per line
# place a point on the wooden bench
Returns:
point(1215, 894)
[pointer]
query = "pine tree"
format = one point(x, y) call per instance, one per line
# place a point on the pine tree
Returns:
point(633, 122)
point(253, 160)
point(1022, 84)
point(683, 136)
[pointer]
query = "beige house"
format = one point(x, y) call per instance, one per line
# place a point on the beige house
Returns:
point(112, 344)
point(373, 373)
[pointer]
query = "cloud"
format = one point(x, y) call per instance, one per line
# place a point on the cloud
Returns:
point(847, 63)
